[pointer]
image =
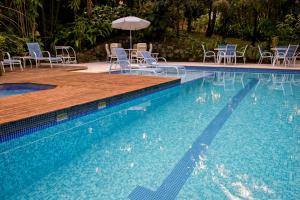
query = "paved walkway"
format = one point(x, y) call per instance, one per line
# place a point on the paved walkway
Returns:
point(96, 67)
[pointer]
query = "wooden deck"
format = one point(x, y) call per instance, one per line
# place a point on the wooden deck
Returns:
point(72, 89)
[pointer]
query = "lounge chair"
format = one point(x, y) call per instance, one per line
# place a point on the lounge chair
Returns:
point(153, 62)
point(112, 51)
point(208, 54)
point(37, 54)
point(288, 56)
point(125, 66)
point(228, 54)
point(241, 54)
point(66, 53)
point(8, 60)
point(136, 55)
point(264, 54)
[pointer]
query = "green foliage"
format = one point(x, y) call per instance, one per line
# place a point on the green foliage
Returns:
point(12, 44)
point(86, 31)
point(289, 29)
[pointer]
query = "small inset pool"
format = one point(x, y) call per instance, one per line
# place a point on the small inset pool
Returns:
point(11, 89)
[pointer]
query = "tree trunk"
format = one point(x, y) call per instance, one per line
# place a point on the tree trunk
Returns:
point(212, 16)
point(254, 33)
point(208, 30)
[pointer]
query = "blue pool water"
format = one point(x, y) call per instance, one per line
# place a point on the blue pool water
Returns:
point(208, 139)
point(11, 89)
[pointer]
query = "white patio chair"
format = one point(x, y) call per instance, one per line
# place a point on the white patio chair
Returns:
point(136, 55)
point(241, 54)
point(8, 60)
point(113, 47)
point(264, 54)
point(288, 56)
point(229, 54)
point(296, 57)
point(66, 53)
point(208, 54)
point(38, 55)
point(108, 54)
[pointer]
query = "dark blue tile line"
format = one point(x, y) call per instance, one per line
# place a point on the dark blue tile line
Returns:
point(237, 69)
point(183, 169)
point(16, 129)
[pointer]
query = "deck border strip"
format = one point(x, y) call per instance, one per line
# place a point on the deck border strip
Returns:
point(244, 69)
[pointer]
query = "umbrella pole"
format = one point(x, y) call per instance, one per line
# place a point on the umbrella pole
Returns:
point(130, 41)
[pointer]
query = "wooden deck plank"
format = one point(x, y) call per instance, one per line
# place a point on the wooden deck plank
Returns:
point(72, 88)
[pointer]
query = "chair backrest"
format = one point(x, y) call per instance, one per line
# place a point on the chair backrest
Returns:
point(113, 47)
point(244, 49)
point(34, 49)
point(141, 47)
point(291, 51)
point(230, 49)
point(203, 48)
point(260, 50)
point(107, 49)
point(148, 58)
point(221, 46)
point(122, 58)
point(150, 48)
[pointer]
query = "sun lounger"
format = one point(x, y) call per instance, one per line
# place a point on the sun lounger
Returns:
point(153, 62)
point(39, 56)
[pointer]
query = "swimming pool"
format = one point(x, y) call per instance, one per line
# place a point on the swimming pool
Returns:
point(11, 89)
point(211, 139)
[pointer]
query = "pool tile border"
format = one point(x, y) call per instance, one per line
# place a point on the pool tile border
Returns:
point(19, 128)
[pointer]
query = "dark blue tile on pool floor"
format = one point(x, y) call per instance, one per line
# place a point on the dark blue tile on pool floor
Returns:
point(173, 183)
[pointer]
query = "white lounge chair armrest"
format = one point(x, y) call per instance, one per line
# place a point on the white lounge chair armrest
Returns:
point(266, 53)
point(240, 52)
point(6, 54)
point(47, 52)
point(212, 52)
point(162, 58)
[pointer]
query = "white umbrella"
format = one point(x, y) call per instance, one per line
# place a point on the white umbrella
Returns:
point(130, 23)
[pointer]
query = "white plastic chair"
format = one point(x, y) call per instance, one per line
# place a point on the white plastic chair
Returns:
point(113, 47)
point(228, 54)
point(241, 54)
point(7, 60)
point(108, 54)
point(288, 56)
point(264, 54)
point(66, 53)
point(208, 54)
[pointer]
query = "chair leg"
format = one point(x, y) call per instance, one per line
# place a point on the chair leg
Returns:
point(20, 63)
point(2, 66)
point(274, 61)
point(259, 61)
